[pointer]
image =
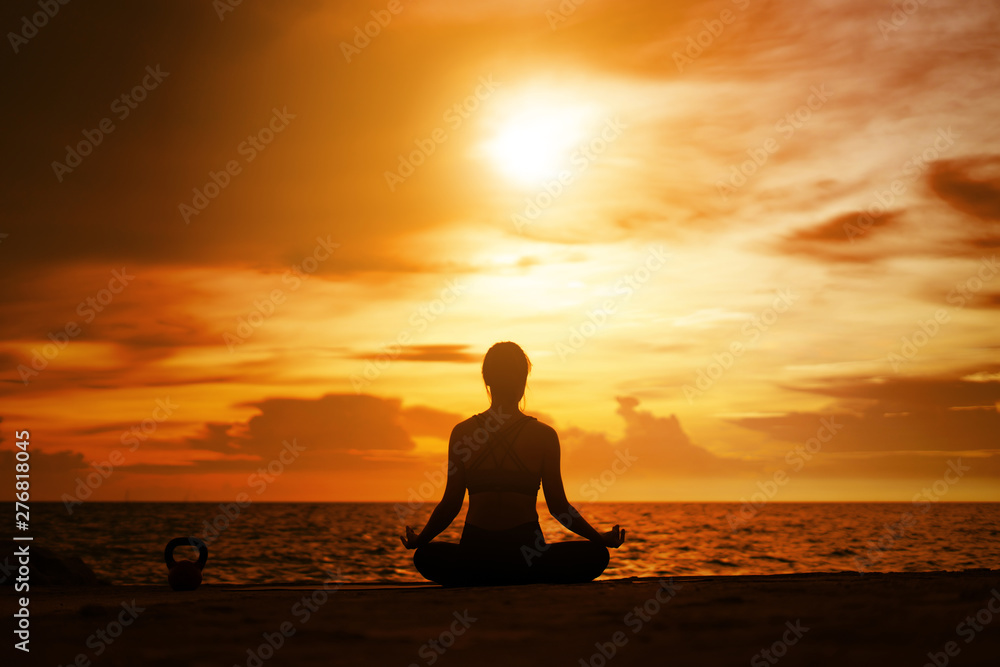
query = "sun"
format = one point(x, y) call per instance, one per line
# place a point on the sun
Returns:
point(534, 144)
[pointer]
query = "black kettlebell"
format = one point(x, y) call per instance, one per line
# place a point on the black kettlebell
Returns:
point(186, 574)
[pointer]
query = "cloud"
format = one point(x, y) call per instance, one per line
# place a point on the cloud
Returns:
point(420, 420)
point(933, 393)
point(449, 352)
point(969, 184)
point(845, 238)
point(896, 416)
point(986, 301)
point(337, 432)
point(52, 474)
point(659, 444)
point(836, 230)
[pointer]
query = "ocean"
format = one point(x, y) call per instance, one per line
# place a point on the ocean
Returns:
point(358, 542)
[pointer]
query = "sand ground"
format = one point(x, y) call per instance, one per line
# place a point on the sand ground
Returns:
point(813, 619)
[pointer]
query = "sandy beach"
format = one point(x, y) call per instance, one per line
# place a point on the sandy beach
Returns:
point(812, 619)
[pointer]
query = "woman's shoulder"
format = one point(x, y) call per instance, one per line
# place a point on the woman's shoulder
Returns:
point(491, 422)
point(540, 432)
point(466, 425)
point(539, 426)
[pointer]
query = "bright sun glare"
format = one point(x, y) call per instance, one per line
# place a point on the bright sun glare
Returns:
point(534, 145)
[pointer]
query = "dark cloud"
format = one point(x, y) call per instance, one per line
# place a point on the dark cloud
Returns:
point(897, 415)
point(337, 432)
point(877, 431)
point(224, 80)
point(334, 422)
point(423, 421)
point(986, 242)
point(970, 184)
point(52, 474)
point(934, 393)
point(455, 353)
point(844, 228)
point(845, 238)
point(849, 237)
point(987, 301)
point(901, 465)
point(660, 446)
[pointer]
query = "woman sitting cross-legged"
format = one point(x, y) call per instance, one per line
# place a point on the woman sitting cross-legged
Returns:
point(502, 456)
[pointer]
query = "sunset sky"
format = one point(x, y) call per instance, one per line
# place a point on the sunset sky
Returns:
point(716, 228)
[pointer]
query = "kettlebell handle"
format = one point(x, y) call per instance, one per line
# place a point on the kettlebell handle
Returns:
point(168, 553)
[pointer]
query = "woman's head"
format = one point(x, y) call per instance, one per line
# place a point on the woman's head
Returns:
point(505, 371)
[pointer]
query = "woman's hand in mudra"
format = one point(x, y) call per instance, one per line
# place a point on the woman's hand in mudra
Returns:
point(410, 541)
point(614, 537)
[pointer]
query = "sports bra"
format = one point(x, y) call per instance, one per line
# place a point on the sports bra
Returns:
point(499, 448)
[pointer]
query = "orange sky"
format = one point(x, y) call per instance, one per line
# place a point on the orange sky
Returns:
point(725, 233)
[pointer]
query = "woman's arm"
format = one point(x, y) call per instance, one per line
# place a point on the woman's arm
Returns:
point(558, 504)
point(450, 505)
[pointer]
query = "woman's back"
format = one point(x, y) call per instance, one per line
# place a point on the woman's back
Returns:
point(503, 472)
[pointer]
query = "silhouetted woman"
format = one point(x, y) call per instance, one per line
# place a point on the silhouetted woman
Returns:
point(501, 456)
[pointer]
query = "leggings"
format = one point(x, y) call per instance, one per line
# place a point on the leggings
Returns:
point(517, 555)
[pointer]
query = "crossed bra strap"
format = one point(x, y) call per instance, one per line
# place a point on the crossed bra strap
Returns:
point(497, 478)
point(497, 440)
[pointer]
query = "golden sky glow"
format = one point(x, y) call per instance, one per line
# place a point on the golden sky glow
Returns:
point(712, 226)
